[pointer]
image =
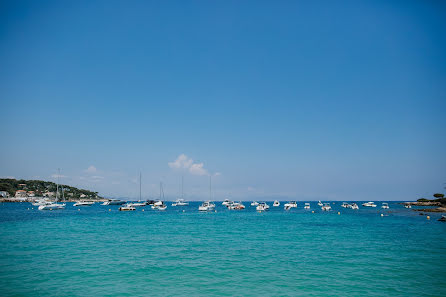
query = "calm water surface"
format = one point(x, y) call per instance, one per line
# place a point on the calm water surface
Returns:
point(95, 252)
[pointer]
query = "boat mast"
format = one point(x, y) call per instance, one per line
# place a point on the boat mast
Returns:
point(182, 186)
point(57, 185)
point(210, 187)
point(140, 186)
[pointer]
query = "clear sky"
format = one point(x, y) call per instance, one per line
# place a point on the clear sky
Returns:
point(303, 100)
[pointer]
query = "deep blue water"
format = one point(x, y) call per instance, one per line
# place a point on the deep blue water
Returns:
point(96, 252)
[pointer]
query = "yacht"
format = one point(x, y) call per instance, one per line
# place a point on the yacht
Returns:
point(276, 203)
point(127, 207)
point(84, 203)
point(53, 205)
point(180, 202)
point(354, 206)
point(369, 204)
point(159, 204)
point(254, 203)
point(114, 202)
point(39, 202)
point(326, 207)
point(307, 206)
point(226, 202)
point(262, 206)
point(385, 205)
point(319, 203)
point(289, 205)
point(138, 204)
point(236, 206)
point(206, 206)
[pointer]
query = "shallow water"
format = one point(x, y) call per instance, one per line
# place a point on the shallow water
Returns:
point(95, 251)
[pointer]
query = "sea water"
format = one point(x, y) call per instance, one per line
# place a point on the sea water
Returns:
point(97, 251)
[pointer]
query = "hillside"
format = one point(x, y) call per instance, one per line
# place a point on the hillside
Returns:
point(39, 188)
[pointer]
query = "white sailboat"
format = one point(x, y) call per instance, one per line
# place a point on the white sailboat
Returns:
point(208, 205)
point(159, 205)
point(53, 205)
point(180, 201)
point(139, 203)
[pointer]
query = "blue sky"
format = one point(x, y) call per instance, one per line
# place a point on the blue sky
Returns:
point(302, 100)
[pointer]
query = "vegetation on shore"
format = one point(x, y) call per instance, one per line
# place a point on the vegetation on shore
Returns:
point(439, 199)
point(40, 188)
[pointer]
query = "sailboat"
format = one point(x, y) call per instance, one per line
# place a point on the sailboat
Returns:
point(180, 201)
point(160, 203)
point(139, 203)
point(208, 205)
point(53, 205)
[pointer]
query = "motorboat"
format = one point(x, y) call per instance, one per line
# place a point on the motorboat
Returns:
point(289, 205)
point(354, 206)
point(442, 219)
point(158, 203)
point(326, 207)
point(52, 206)
point(236, 206)
point(114, 202)
point(160, 207)
point(345, 205)
point(262, 206)
point(180, 202)
point(385, 205)
point(407, 205)
point(127, 207)
point(138, 204)
point(254, 203)
point(226, 202)
point(369, 204)
point(307, 206)
point(207, 206)
point(276, 203)
point(84, 203)
point(319, 203)
point(39, 202)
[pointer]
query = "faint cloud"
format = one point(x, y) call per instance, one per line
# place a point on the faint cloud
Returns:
point(91, 169)
point(97, 177)
point(251, 189)
point(181, 162)
point(197, 169)
point(184, 162)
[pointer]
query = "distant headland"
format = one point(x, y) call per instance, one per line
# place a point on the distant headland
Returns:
point(26, 190)
point(439, 201)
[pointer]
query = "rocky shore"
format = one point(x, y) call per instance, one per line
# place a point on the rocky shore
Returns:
point(441, 207)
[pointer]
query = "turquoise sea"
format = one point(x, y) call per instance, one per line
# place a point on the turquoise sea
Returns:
point(97, 252)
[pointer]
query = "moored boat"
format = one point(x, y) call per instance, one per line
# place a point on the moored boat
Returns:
point(326, 207)
point(262, 206)
point(206, 206)
point(276, 203)
point(289, 205)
